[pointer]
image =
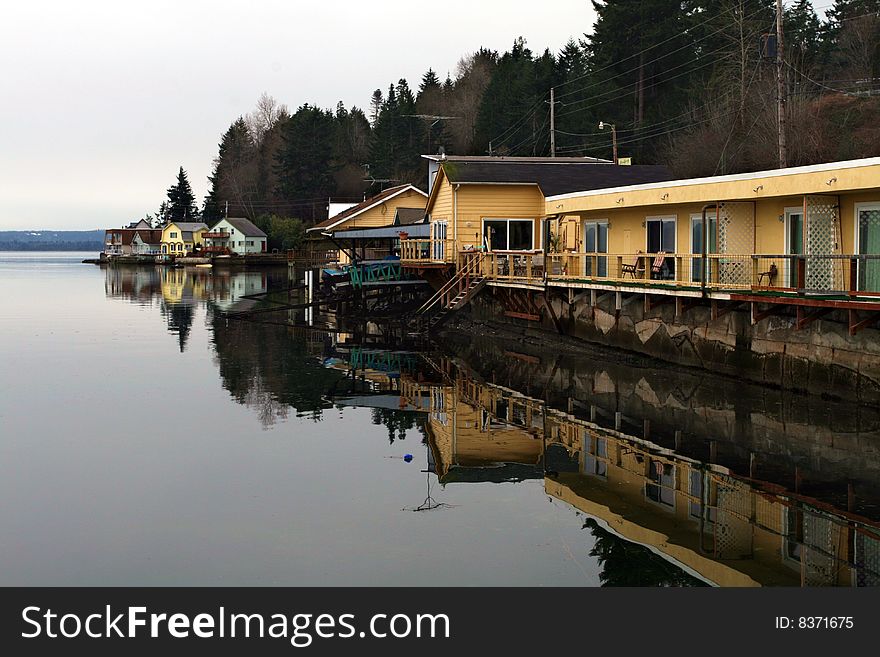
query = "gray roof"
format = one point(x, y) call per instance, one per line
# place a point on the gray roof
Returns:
point(554, 178)
point(189, 226)
point(383, 232)
point(408, 216)
point(186, 235)
point(246, 227)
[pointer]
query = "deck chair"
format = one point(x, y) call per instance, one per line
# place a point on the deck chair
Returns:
point(634, 268)
point(657, 266)
point(538, 265)
point(770, 274)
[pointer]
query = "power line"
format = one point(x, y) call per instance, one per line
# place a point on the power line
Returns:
point(656, 59)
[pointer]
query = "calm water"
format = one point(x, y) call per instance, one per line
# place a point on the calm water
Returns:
point(146, 439)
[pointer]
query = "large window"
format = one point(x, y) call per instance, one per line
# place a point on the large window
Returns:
point(868, 228)
point(509, 234)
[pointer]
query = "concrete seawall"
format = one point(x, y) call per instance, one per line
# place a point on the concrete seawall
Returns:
point(821, 358)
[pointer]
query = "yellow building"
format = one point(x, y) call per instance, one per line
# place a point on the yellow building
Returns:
point(498, 203)
point(801, 227)
point(180, 238)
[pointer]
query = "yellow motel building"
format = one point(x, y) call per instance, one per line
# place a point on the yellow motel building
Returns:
point(804, 236)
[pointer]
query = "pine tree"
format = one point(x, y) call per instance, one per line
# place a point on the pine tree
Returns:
point(181, 201)
point(376, 102)
point(234, 176)
point(306, 162)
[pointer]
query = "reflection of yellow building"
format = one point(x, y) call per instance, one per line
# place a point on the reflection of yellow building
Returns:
point(466, 432)
point(179, 238)
point(727, 530)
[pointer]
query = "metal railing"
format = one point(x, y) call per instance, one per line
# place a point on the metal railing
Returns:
point(852, 275)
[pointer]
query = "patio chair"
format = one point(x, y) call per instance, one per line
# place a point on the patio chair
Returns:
point(632, 269)
point(770, 274)
point(657, 266)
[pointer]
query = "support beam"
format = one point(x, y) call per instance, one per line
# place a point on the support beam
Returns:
point(856, 324)
point(718, 311)
point(805, 317)
point(552, 314)
point(683, 304)
point(758, 315)
point(652, 302)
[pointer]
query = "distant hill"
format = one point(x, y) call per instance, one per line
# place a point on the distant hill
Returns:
point(51, 240)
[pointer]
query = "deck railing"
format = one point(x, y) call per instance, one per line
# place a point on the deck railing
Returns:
point(815, 274)
point(427, 251)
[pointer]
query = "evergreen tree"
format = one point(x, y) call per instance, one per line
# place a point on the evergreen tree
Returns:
point(305, 163)
point(376, 102)
point(234, 176)
point(181, 202)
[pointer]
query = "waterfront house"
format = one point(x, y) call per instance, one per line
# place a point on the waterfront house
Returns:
point(180, 238)
point(377, 211)
point(235, 235)
point(146, 242)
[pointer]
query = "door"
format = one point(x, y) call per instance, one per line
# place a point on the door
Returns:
point(868, 227)
point(661, 239)
point(699, 269)
point(438, 245)
point(794, 243)
point(595, 241)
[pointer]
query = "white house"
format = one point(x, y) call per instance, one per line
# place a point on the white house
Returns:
point(146, 242)
point(235, 235)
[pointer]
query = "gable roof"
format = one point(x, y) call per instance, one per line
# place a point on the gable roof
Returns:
point(552, 176)
point(363, 206)
point(245, 226)
point(188, 226)
point(408, 216)
point(151, 236)
point(555, 178)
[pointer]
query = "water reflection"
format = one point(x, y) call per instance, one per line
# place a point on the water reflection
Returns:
point(679, 477)
point(727, 528)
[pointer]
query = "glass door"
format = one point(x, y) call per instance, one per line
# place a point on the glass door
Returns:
point(661, 239)
point(699, 269)
point(869, 244)
point(438, 245)
point(794, 243)
point(596, 241)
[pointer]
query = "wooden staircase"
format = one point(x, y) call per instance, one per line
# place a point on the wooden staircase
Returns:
point(464, 285)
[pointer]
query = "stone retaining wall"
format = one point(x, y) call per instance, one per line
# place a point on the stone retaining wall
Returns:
point(821, 358)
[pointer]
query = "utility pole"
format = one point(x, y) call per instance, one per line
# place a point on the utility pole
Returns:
point(602, 126)
point(780, 88)
point(552, 121)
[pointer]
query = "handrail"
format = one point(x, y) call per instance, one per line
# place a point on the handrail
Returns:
point(448, 285)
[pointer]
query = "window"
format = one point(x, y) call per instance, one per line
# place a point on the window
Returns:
point(172, 236)
point(250, 243)
point(509, 234)
point(660, 487)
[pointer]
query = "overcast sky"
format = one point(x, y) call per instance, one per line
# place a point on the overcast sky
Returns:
point(102, 101)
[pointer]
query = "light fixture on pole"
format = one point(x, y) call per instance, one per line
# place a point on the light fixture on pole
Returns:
point(602, 126)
